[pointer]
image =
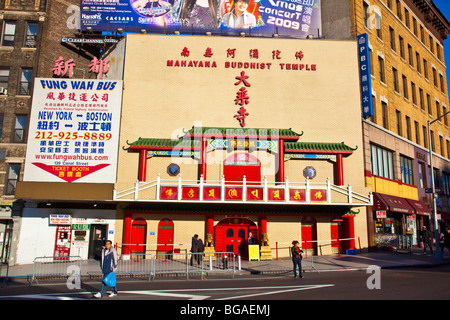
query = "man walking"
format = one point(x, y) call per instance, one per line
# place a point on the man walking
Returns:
point(108, 264)
point(426, 239)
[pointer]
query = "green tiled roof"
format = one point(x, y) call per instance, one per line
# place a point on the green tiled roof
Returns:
point(247, 132)
point(322, 147)
point(164, 143)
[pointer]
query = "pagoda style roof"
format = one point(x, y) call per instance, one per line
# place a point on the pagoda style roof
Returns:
point(261, 133)
point(318, 147)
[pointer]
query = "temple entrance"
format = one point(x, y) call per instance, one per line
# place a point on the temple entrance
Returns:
point(239, 164)
point(231, 235)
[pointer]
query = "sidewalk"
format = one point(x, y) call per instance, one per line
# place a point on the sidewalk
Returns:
point(383, 259)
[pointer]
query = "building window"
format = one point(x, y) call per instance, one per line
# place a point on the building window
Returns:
point(446, 183)
point(405, 87)
point(431, 44)
point(444, 113)
point(410, 56)
point(9, 33)
point(425, 68)
point(418, 66)
point(392, 38)
point(19, 129)
point(13, 176)
point(31, 36)
point(438, 109)
point(378, 25)
point(417, 132)
point(441, 145)
point(384, 112)
point(422, 180)
point(433, 144)
point(415, 26)
point(4, 78)
point(25, 81)
point(399, 9)
point(381, 68)
point(429, 105)
point(407, 19)
point(382, 162)
point(366, 14)
point(401, 44)
point(441, 80)
point(413, 93)
point(371, 62)
point(395, 79)
point(408, 128)
point(425, 136)
point(447, 142)
point(422, 103)
point(406, 170)
point(435, 79)
point(422, 34)
point(399, 122)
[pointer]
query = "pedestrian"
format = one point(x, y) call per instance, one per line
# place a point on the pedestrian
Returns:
point(194, 245)
point(250, 239)
point(426, 240)
point(200, 250)
point(297, 258)
point(108, 264)
point(446, 239)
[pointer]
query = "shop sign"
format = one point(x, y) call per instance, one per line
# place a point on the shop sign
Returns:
point(381, 214)
point(74, 131)
point(365, 75)
point(80, 227)
point(60, 219)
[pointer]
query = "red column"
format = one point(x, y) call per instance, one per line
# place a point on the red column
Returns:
point(203, 164)
point(340, 170)
point(281, 162)
point(351, 231)
point(126, 233)
point(210, 225)
point(143, 165)
point(263, 224)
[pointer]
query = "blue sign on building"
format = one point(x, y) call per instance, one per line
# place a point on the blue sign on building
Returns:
point(364, 75)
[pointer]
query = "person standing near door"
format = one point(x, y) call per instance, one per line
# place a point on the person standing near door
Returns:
point(297, 258)
point(194, 246)
point(426, 239)
point(108, 264)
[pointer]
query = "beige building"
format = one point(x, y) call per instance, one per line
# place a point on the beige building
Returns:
point(219, 134)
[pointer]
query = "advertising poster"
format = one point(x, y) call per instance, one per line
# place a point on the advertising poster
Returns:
point(74, 131)
point(295, 18)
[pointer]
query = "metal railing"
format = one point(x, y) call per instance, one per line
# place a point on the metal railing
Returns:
point(333, 194)
point(56, 268)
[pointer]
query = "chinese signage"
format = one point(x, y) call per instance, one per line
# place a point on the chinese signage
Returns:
point(364, 74)
point(64, 68)
point(60, 219)
point(74, 128)
point(298, 18)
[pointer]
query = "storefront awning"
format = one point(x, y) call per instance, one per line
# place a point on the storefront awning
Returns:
point(420, 207)
point(392, 203)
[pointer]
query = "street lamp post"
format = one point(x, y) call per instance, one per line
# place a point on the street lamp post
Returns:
point(438, 255)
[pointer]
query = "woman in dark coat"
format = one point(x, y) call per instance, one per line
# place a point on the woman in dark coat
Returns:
point(297, 258)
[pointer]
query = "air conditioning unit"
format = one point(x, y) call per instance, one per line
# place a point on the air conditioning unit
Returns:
point(3, 90)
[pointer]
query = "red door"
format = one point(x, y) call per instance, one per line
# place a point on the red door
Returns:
point(309, 237)
point(138, 236)
point(240, 164)
point(165, 237)
point(337, 232)
point(231, 235)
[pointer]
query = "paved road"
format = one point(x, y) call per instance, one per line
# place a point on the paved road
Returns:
point(405, 284)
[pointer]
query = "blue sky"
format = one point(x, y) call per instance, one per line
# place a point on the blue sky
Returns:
point(444, 6)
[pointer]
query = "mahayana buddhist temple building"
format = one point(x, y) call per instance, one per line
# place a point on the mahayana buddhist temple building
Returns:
point(227, 136)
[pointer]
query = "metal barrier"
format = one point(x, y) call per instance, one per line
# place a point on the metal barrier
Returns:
point(56, 268)
point(135, 264)
point(220, 262)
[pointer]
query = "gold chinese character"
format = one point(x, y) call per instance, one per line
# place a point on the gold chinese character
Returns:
point(276, 194)
point(318, 195)
point(191, 193)
point(61, 174)
point(297, 195)
point(169, 192)
point(69, 174)
point(78, 174)
point(211, 193)
point(255, 193)
point(232, 193)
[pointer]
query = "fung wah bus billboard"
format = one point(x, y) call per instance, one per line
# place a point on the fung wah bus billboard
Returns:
point(292, 18)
